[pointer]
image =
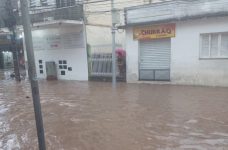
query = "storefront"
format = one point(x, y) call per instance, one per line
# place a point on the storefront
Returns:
point(177, 46)
point(154, 51)
point(8, 51)
point(6, 57)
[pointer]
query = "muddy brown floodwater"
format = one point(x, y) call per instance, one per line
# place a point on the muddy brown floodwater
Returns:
point(92, 116)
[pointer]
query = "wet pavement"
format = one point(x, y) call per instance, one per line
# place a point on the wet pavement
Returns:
point(92, 116)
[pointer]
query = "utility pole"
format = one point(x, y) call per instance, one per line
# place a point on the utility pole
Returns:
point(32, 74)
point(113, 45)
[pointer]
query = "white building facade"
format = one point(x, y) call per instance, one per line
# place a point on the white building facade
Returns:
point(59, 38)
point(63, 44)
point(186, 44)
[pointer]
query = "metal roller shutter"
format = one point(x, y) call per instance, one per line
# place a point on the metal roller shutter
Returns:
point(155, 60)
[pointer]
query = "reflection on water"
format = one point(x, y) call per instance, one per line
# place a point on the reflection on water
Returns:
point(92, 116)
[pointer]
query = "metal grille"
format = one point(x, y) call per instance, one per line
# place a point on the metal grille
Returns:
point(44, 2)
point(101, 65)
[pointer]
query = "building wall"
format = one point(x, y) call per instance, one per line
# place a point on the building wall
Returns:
point(98, 15)
point(132, 55)
point(76, 57)
point(186, 65)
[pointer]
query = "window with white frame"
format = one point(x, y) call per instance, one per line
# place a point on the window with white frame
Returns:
point(214, 45)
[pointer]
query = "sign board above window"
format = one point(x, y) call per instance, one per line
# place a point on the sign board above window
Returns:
point(58, 41)
point(154, 32)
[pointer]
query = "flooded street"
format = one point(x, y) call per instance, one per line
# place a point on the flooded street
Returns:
point(92, 116)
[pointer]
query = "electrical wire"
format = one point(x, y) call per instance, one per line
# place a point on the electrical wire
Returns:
point(97, 7)
point(89, 5)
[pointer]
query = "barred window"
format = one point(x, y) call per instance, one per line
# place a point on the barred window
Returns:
point(44, 2)
point(33, 3)
point(214, 45)
point(65, 3)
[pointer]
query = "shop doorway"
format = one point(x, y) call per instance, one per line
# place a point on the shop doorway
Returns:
point(154, 60)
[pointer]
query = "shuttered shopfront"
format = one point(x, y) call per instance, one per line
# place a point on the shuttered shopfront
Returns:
point(154, 51)
point(154, 61)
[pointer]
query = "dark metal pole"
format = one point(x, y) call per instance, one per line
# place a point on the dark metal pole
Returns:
point(32, 74)
point(113, 46)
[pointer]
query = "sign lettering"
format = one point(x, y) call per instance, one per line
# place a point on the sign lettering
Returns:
point(154, 32)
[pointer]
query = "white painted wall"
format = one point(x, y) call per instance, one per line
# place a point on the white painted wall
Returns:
point(186, 67)
point(76, 57)
point(132, 55)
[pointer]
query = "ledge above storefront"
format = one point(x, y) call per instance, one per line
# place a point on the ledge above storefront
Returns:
point(174, 11)
point(53, 24)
